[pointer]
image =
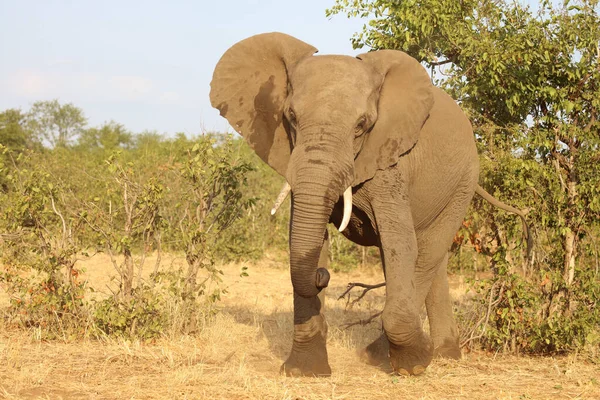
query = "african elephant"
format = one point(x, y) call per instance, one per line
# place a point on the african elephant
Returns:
point(369, 144)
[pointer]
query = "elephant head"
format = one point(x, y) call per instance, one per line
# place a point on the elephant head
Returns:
point(325, 123)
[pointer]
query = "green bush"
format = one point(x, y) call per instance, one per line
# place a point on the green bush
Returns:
point(39, 249)
point(142, 316)
point(539, 316)
point(37, 301)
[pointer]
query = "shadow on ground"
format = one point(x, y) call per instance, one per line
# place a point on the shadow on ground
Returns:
point(277, 328)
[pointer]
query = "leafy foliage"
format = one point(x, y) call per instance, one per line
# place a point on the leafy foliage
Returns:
point(109, 137)
point(49, 220)
point(519, 317)
point(144, 316)
point(13, 134)
point(40, 249)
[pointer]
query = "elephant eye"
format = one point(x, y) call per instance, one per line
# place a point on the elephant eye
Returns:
point(361, 125)
point(292, 117)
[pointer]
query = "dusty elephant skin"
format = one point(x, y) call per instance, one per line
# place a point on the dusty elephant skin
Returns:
point(377, 125)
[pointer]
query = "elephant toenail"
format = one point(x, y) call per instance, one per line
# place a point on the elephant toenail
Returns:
point(418, 370)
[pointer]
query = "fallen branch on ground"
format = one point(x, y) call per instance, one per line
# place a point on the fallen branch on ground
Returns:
point(362, 322)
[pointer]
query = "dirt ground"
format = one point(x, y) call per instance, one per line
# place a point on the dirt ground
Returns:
point(238, 355)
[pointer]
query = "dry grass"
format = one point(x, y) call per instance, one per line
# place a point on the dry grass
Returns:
point(238, 354)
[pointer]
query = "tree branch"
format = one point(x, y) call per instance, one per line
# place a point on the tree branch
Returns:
point(366, 287)
point(589, 124)
point(486, 318)
point(64, 225)
point(438, 63)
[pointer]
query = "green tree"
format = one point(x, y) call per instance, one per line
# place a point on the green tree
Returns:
point(13, 132)
point(54, 123)
point(110, 136)
point(213, 178)
point(126, 219)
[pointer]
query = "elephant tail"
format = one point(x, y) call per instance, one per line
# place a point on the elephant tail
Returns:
point(497, 203)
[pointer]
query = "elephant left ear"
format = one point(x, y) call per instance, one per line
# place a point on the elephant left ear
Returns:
point(405, 100)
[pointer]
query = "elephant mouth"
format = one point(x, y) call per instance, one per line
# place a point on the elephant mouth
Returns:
point(322, 278)
point(285, 191)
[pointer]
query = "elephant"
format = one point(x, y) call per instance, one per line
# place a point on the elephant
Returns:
point(369, 144)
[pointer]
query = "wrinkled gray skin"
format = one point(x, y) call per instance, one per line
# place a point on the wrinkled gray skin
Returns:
point(377, 124)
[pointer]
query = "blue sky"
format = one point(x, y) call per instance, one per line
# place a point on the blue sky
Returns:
point(145, 64)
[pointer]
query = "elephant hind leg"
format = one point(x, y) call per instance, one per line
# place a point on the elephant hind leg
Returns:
point(431, 271)
point(443, 329)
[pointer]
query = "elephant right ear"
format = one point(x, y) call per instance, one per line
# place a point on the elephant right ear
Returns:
point(249, 88)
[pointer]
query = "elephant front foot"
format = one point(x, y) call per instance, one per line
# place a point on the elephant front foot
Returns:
point(377, 353)
point(447, 348)
point(411, 359)
point(309, 351)
point(313, 362)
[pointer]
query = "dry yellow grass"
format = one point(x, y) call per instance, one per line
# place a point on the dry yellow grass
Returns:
point(238, 354)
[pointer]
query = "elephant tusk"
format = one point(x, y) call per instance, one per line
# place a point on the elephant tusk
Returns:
point(282, 195)
point(347, 209)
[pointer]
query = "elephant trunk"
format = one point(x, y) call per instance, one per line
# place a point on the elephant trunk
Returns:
point(319, 175)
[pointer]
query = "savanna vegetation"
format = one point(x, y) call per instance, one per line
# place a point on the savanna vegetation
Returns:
point(530, 83)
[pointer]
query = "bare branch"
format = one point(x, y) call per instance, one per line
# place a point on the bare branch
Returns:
point(556, 164)
point(113, 260)
point(158, 240)
point(366, 287)
point(64, 224)
point(486, 318)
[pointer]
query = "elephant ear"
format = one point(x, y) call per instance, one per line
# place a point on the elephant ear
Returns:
point(249, 88)
point(405, 100)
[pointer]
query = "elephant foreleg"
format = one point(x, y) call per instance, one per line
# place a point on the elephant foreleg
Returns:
point(410, 348)
point(308, 356)
point(443, 328)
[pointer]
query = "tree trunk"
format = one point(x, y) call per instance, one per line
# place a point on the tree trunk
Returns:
point(569, 260)
point(570, 238)
point(127, 278)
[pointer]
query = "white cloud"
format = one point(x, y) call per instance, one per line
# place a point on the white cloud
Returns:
point(32, 85)
point(27, 83)
point(87, 82)
point(131, 87)
point(169, 97)
point(59, 61)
